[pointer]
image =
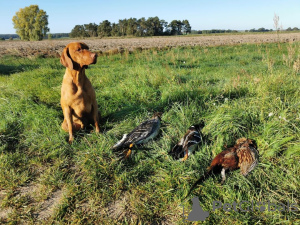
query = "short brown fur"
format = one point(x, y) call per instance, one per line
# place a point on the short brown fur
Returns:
point(78, 98)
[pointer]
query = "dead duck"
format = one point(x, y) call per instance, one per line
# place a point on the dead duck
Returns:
point(143, 133)
point(187, 145)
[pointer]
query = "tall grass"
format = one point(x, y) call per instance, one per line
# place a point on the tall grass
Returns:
point(241, 90)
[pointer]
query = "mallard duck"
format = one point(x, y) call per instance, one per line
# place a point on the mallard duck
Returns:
point(144, 132)
point(188, 143)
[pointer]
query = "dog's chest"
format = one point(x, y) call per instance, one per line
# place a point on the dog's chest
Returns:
point(79, 97)
point(82, 103)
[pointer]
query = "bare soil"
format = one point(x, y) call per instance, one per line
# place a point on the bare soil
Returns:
point(53, 48)
point(44, 209)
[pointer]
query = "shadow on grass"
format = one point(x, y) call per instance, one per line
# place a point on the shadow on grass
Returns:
point(163, 105)
point(236, 93)
point(8, 70)
point(51, 105)
point(10, 138)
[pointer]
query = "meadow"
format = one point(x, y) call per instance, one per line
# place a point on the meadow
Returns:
point(244, 90)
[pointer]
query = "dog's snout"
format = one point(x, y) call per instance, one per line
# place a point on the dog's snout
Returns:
point(94, 57)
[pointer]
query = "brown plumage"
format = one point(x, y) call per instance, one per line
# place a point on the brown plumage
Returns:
point(243, 155)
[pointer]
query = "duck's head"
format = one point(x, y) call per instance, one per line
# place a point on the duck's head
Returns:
point(157, 115)
point(198, 127)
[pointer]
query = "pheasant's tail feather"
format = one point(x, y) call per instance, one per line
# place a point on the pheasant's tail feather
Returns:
point(200, 180)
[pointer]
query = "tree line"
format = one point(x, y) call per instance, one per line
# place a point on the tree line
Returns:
point(153, 26)
point(213, 31)
point(31, 23)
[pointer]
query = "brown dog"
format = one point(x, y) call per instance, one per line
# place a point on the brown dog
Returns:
point(78, 99)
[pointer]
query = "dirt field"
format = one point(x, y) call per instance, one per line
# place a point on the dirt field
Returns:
point(50, 48)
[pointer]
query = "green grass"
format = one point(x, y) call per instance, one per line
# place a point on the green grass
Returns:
point(242, 90)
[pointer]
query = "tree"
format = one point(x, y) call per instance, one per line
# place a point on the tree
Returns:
point(176, 26)
point(115, 30)
point(154, 26)
point(141, 27)
point(186, 27)
point(91, 29)
point(104, 29)
point(132, 26)
point(78, 31)
point(123, 26)
point(31, 23)
point(164, 25)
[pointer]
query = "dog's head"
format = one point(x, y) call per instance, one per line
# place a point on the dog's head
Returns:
point(76, 56)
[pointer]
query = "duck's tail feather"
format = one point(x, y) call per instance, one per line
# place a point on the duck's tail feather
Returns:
point(119, 144)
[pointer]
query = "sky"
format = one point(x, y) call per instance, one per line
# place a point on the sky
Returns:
point(201, 14)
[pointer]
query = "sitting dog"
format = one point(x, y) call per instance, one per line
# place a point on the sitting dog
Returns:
point(78, 98)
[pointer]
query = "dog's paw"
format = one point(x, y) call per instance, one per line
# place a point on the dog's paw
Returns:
point(71, 139)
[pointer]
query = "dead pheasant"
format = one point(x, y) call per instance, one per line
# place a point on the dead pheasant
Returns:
point(144, 132)
point(243, 155)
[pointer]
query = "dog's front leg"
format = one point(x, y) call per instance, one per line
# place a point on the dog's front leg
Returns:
point(68, 117)
point(96, 117)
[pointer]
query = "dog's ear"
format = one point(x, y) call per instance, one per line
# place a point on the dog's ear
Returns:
point(65, 59)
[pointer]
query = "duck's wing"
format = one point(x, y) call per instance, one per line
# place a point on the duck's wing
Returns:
point(192, 139)
point(144, 132)
point(177, 151)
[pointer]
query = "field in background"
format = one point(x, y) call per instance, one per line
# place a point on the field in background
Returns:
point(50, 48)
point(240, 90)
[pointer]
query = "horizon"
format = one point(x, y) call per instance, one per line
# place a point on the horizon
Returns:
point(269, 30)
point(220, 15)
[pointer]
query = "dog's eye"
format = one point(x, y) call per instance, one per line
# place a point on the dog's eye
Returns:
point(78, 50)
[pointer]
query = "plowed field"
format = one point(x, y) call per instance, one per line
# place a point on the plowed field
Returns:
point(48, 48)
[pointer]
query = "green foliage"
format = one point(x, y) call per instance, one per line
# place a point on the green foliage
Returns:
point(175, 27)
point(104, 29)
point(91, 29)
point(78, 31)
point(186, 27)
point(31, 23)
point(153, 26)
point(241, 90)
